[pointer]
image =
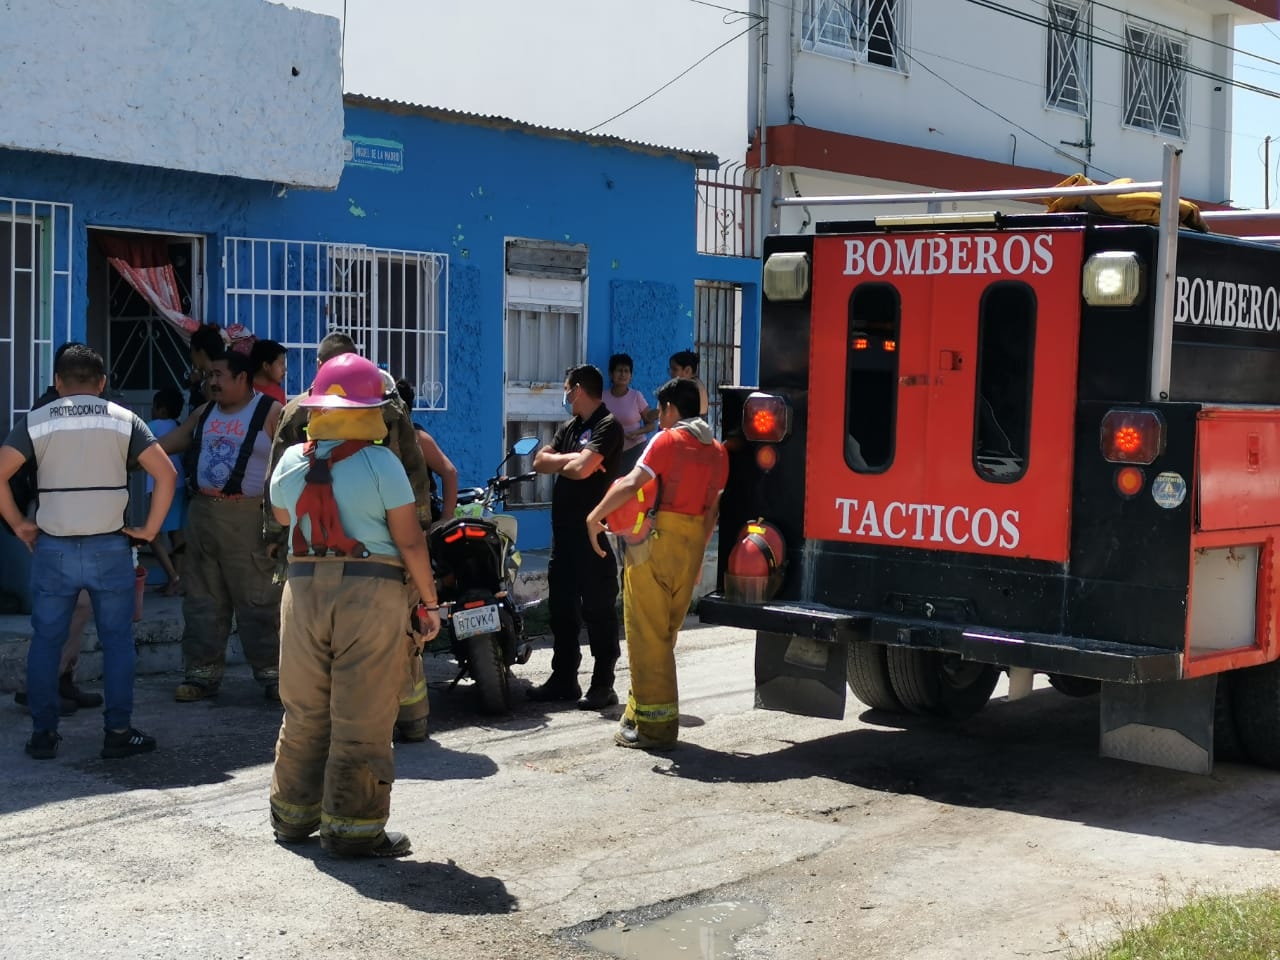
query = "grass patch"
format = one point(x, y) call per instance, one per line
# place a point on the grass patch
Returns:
point(1242, 926)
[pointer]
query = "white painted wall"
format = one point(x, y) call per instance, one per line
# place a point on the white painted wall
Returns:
point(207, 87)
point(997, 60)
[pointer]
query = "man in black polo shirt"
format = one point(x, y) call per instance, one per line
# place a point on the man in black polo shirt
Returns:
point(583, 587)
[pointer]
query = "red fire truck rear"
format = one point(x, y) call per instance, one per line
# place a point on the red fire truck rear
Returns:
point(1031, 443)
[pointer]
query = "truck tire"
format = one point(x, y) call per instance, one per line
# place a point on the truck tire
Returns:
point(964, 686)
point(913, 676)
point(868, 676)
point(1255, 692)
point(1074, 686)
point(489, 671)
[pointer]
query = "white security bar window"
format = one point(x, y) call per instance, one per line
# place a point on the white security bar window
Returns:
point(863, 31)
point(393, 303)
point(546, 300)
point(717, 340)
point(35, 299)
point(1155, 82)
point(1067, 67)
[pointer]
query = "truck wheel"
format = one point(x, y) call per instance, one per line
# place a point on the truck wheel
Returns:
point(485, 662)
point(868, 676)
point(1074, 686)
point(913, 677)
point(964, 686)
point(1255, 692)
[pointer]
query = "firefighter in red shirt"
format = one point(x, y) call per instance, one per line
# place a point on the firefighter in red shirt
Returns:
point(691, 468)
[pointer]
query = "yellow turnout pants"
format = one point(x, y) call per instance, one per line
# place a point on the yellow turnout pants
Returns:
point(342, 666)
point(656, 596)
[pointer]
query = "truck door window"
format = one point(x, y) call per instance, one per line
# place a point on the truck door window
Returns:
point(1006, 350)
point(871, 378)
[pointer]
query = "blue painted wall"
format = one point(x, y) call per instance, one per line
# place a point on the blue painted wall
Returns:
point(464, 189)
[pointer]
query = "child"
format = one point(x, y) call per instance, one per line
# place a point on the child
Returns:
point(683, 365)
point(166, 408)
point(268, 359)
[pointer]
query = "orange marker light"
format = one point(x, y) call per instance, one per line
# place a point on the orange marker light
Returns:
point(763, 422)
point(1129, 481)
point(1128, 440)
point(1132, 435)
point(766, 418)
point(890, 346)
point(860, 343)
point(766, 458)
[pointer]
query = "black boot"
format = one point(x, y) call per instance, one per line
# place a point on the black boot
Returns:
point(68, 690)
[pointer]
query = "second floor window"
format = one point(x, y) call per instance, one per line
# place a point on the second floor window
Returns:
point(863, 31)
point(1066, 83)
point(1155, 81)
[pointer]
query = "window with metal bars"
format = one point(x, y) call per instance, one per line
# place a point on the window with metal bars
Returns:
point(1155, 81)
point(546, 333)
point(1068, 64)
point(393, 304)
point(717, 340)
point(35, 299)
point(862, 31)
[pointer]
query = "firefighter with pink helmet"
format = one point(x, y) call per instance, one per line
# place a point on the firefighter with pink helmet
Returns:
point(355, 549)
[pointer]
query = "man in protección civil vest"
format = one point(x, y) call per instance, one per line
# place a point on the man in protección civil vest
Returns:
point(227, 443)
point(691, 468)
point(354, 542)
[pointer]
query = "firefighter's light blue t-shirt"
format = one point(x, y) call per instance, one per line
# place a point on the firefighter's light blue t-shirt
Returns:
point(366, 485)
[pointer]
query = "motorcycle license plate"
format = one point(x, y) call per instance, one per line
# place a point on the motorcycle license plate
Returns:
point(473, 622)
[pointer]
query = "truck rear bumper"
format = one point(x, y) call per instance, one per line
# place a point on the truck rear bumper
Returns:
point(1049, 653)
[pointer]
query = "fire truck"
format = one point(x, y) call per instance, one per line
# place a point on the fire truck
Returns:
point(1033, 443)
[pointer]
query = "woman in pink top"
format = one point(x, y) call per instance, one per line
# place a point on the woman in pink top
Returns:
point(629, 408)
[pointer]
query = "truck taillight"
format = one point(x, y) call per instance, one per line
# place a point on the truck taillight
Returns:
point(766, 418)
point(1132, 436)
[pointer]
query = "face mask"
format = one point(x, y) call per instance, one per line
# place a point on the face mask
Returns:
point(568, 404)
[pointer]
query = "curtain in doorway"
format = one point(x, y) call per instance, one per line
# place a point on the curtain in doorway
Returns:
point(144, 262)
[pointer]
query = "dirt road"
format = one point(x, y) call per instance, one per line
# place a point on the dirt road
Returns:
point(868, 836)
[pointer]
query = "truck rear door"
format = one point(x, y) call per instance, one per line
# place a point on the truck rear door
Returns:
point(942, 390)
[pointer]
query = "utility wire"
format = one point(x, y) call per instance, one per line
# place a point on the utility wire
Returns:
point(1124, 48)
point(1013, 123)
point(678, 76)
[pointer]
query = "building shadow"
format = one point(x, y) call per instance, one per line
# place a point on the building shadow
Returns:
point(1036, 757)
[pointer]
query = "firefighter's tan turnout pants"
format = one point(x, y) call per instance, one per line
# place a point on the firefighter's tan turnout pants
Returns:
point(656, 595)
point(227, 570)
point(342, 666)
point(415, 706)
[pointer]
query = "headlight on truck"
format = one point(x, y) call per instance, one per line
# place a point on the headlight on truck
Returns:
point(1112, 279)
point(786, 276)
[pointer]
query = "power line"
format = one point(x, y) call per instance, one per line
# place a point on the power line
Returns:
point(1125, 48)
point(1013, 123)
point(678, 76)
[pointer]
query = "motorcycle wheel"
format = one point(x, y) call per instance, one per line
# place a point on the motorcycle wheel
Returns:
point(489, 671)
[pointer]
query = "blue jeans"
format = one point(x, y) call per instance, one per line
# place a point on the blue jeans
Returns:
point(60, 568)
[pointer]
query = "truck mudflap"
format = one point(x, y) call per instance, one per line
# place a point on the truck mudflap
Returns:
point(802, 651)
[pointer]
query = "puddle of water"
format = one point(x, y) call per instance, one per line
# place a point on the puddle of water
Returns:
point(695, 933)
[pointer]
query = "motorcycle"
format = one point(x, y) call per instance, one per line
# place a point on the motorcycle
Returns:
point(475, 563)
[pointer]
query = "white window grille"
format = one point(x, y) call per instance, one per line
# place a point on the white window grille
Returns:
point(546, 310)
point(862, 31)
point(1068, 64)
point(717, 340)
point(1155, 81)
point(35, 299)
point(393, 303)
